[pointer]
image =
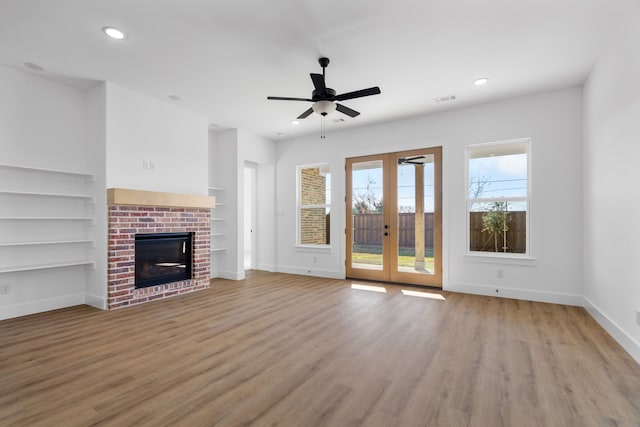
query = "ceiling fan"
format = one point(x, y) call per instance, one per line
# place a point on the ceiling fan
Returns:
point(415, 160)
point(324, 98)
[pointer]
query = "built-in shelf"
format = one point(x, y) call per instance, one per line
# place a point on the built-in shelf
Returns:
point(47, 266)
point(216, 222)
point(49, 242)
point(48, 231)
point(88, 176)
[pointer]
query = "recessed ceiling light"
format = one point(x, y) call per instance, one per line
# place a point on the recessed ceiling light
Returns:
point(481, 81)
point(295, 122)
point(34, 67)
point(114, 33)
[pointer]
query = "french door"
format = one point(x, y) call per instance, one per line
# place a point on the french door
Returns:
point(394, 217)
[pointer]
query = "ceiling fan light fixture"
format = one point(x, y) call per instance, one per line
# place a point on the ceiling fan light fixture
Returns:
point(324, 107)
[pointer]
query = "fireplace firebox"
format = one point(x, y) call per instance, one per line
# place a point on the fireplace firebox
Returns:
point(162, 258)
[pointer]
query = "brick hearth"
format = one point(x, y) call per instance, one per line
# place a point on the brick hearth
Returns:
point(125, 221)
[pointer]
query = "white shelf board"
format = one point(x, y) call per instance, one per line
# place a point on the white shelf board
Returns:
point(27, 193)
point(219, 250)
point(56, 171)
point(217, 219)
point(50, 242)
point(216, 189)
point(47, 266)
point(218, 234)
point(45, 218)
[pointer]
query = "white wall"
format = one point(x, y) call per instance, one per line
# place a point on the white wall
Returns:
point(552, 121)
point(42, 125)
point(261, 152)
point(229, 150)
point(42, 122)
point(96, 143)
point(141, 128)
point(611, 186)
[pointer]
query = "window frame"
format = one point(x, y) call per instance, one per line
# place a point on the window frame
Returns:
point(300, 207)
point(469, 201)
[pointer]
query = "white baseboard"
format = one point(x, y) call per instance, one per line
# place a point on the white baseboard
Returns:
point(328, 274)
point(625, 340)
point(229, 275)
point(95, 301)
point(523, 294)
point(267, 267)
point(32, 307)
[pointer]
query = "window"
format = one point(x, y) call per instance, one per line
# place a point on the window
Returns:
point(314, 205)
point(498, 197)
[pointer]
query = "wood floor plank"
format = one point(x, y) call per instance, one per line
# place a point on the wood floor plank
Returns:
point(287, 350)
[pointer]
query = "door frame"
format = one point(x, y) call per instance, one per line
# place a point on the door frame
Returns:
point(390, 217)
point(360, 273)
point(250, 215)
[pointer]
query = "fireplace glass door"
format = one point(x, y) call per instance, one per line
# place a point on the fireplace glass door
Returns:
point(162, 258)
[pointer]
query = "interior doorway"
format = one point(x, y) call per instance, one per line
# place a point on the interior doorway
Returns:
point(394, 217)
point(250, 215)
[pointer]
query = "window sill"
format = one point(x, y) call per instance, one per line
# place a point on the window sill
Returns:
point(491, 258)
point(313, 248)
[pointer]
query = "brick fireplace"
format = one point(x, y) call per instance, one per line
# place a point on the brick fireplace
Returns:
point(132, 212)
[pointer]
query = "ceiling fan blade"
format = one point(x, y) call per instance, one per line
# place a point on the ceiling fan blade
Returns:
point(318, 81)
point(346, 110)
point(359, 93)
point(284, 98)
point(305, 114)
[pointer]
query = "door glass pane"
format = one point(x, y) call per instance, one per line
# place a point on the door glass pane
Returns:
point(366, 210)
point(416, 200)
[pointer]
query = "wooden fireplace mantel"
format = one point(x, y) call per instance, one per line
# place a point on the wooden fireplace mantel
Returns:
point(124, 196)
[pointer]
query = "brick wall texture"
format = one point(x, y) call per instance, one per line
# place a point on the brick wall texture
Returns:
point(127, 221)
point(313, 221)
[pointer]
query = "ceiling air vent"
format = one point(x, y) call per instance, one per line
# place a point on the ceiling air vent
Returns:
point(444, 99)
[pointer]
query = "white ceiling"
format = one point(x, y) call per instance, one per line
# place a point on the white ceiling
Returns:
point(224, 57)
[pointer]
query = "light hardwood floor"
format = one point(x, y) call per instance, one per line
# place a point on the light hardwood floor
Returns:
point(287, 350)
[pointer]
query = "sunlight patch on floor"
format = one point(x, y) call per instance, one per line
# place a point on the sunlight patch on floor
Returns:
point(423, 295)
point(368, 288)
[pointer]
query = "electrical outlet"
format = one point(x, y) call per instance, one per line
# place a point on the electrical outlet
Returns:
point(148, 165)
point(5, 288)
point(500, 274)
